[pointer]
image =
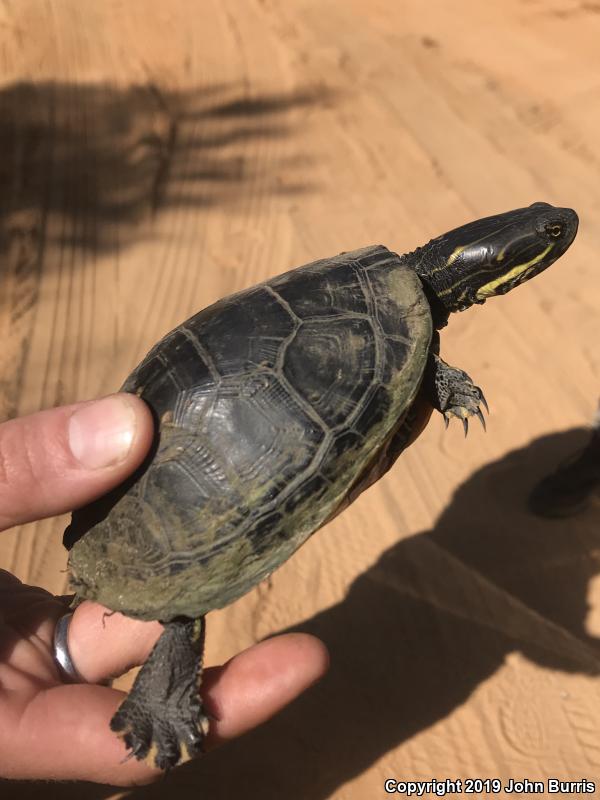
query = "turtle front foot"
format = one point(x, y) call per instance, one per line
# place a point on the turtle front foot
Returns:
point(454, 394)
point(161, 720)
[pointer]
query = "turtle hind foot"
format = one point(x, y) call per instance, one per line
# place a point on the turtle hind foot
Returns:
point(161, 720)
point(454, 394)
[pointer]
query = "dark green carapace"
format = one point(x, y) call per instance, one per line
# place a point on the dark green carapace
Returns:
point(276, 407)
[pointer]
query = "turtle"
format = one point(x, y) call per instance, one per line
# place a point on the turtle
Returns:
point(275, 408)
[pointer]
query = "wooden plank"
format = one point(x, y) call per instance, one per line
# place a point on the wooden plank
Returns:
point(156, 156)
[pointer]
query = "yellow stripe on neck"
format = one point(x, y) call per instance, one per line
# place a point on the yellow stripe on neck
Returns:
point(455, 255)
point(490, 289)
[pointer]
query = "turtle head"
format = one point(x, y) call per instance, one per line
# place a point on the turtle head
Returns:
point(493, 255)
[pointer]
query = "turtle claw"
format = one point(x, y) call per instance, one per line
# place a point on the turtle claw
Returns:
point(454, 393)
point(462, 399)
point(484, 403)
point(481, 418)
point(469, 407)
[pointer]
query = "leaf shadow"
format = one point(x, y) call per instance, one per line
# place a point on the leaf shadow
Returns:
point(89, 169)
point(78, 160)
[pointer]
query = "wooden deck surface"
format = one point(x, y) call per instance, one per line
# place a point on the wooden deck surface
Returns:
point(155, 156)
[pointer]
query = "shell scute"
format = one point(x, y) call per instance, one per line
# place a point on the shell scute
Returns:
point(243, 333)
point(334, 290)
point(345, 350)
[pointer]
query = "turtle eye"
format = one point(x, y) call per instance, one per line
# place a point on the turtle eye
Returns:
point(555, 231)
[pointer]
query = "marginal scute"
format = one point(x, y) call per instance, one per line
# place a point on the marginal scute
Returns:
point(310, 490)
point(261, 533)
point(400, 307)
point(395, 359)
point(374, 410)
point(347, 441)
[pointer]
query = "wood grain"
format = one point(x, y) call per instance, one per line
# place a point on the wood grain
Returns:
point(156, 156)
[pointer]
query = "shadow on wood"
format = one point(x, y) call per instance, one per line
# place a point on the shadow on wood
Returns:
point(96, 156)
point(86, 170)
point(445, 608)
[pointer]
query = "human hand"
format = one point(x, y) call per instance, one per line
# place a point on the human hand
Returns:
point(52, 462)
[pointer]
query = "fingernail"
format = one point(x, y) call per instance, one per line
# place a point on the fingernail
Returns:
point(101, 433)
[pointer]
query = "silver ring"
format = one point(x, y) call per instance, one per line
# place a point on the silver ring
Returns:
point(62, 655)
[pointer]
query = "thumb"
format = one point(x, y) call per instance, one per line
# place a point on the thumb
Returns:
point(57, 460)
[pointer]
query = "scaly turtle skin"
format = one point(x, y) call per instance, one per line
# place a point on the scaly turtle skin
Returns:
point(276, 407)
